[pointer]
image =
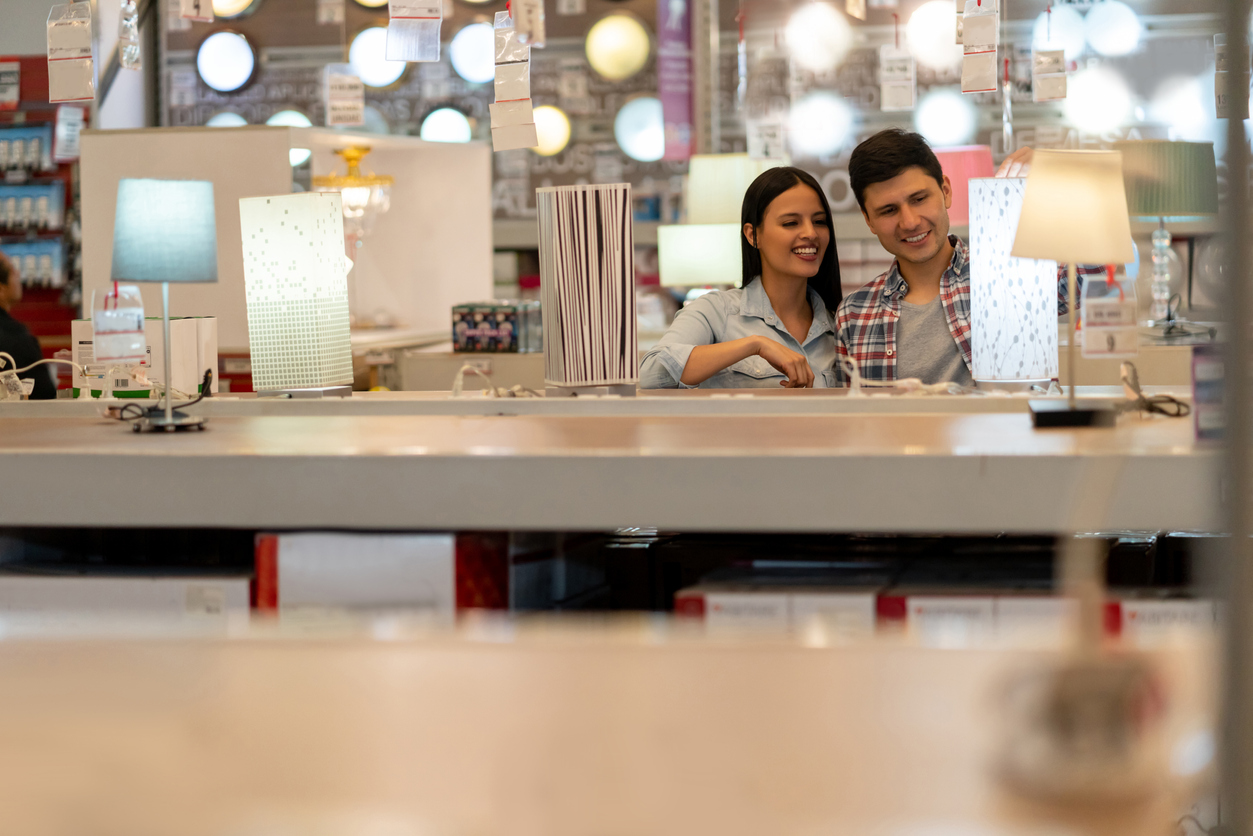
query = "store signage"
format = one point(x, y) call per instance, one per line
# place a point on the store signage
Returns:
point(674, 75)
point(10, 84)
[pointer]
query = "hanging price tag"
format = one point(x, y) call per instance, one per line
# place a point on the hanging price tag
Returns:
point(981, 24)
point(767, 139)
point(200, 11)
point(69, 129)
point(10, 84)
point(1048, 75)
point(1109, 320)
point(897, 78)
point(344, 96)
point(330, 11)
point(71, 70)
point(413, 31)
point(528, 21)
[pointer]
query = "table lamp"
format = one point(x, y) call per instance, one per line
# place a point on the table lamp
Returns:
point(961, 164)
point(697, 255)
point(296, 286)
point(1164, 179)
point(1013, 301)
point(1074, 210)
point(164, 231)
point(587, 285)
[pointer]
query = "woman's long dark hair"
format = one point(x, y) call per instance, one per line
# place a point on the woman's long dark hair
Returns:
point(761, 194)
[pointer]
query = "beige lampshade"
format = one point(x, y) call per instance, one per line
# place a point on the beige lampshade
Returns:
point(1169, 179)
point(1074, 209)
point(716, 184)
point(694, 255)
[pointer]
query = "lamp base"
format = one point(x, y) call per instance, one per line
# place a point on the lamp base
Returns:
point(1056, 413)
point(340, 391)
point(625, 390)
point(154, 420)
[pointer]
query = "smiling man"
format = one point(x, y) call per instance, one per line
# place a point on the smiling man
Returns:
point(914, 320)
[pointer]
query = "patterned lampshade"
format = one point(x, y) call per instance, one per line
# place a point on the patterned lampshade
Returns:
point(165, 231)
point(1169, 179)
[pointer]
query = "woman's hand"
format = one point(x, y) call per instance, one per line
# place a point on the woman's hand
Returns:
point(795, 366)
point(1016, 164)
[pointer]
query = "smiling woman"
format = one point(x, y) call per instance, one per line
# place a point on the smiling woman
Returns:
point(777, 329)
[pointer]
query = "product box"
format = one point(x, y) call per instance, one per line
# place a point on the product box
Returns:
point(130, 596)
point(1208, 409)
point(510, 326)
point(768, 609)
point(185, 346)
point(40, 263)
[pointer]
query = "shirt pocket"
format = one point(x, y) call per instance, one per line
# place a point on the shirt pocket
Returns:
point(756, 368)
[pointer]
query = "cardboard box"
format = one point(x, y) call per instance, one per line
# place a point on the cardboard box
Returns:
point(513, 326)
point(143, 597)
point(186, 346)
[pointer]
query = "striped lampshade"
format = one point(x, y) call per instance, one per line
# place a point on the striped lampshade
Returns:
point(1169, 179)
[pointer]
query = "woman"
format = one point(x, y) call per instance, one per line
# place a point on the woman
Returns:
point(778, 329)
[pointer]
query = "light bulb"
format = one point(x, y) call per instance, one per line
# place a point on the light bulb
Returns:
point(367, 57)
point(225, 119)
point(473, 52)
point(931, 35)
point(225, 61)
point(946, 118)
point(818, 36)
point(1112, 28)
point(552, 126)
point(445, 125)
point(1097, 100)
point(640, 129)
point(617, 47)
point(820, 125)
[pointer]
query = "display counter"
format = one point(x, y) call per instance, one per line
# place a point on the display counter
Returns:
point(921, 472)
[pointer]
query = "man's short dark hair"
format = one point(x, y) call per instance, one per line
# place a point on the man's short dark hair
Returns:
point(887, 154)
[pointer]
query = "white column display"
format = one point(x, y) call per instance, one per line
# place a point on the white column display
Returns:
point(1013, 301)
point(587, 284)
point(296, 286)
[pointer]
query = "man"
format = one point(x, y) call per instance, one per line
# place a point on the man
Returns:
point(15, 339)
point(914, 320)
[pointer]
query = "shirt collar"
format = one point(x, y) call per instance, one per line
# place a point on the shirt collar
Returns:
point(895, 287)
point(755, 302)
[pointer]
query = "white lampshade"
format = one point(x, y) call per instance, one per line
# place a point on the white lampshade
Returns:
point(165, 231)
point(1075, 209)
point(296, 287)
point(1013, 301)
point(716, 184)
point(694, 255)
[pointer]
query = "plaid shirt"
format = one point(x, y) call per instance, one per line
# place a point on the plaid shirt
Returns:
point(866, 319)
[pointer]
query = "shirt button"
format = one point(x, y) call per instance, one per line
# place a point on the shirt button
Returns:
point(891, 351)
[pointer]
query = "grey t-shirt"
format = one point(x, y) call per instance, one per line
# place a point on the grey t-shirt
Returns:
point(925, 347)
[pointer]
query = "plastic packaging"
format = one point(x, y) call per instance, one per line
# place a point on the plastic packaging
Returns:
point(117, 318)
point(71, 70)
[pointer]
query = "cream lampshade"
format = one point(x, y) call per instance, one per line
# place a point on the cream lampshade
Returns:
point(716, 184)
point(1074, 211)
point(695, 255)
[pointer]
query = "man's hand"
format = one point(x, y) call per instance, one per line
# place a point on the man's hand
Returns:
point(795, 366)
point(1016, 164)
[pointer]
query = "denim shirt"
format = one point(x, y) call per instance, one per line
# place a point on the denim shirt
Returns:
point(725, 315)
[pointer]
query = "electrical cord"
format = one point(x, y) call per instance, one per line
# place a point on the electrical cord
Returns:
point(907, 385)
point(1167, 405)
point(517, 391)
point(123, 413)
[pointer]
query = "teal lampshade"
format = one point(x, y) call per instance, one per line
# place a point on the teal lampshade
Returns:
point(165, 231)
point(1169, 179)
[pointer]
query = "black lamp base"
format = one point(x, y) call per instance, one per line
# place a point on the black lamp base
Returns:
point(154, 420)
point(1057, 413)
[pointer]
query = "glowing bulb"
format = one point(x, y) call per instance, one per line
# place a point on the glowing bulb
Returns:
point(930, 35)
point(1183, 103)
point(1097, 99)
point(641, 130)
point(293, 119)
point(367, 58)
point(1112, 28)
point(820, 125)
point(445, 125)
point(372, 4)
point(232, 8)
point(553, 128)
point(1061, 28)
point(356, 198)
point(819, 37)
point(225, 119)
point(225, 61)
point(473, 53)
point(617, 47)
point(945, 118)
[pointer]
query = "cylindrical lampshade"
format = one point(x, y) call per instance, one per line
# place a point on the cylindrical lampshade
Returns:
point(961, 165)
point(165, 231)
point(1169, 178)
point(716, 184)
point(1075, 209)
point(694, 255)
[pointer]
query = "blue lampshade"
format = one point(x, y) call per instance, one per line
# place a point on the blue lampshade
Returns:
point(165, 231)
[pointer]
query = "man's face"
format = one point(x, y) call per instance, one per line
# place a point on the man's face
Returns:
point(10, 293)
point(909, 214)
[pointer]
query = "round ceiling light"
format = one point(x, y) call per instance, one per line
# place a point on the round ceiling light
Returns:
point(293, 119)
point(446, 125)
point(617, 46)
point(367, 57)
point(930, 35)
point(225, 61)
point(819, 37)
point(372, 4)
point(1182, 103)
point(225, 119)
point(473, 52)
point(1112, 28)
point(1097, 100)
point(946, 118)
point(552, 126)
point(820, 125)
point(641, 130)
point(1061, 28)
point(233, 8)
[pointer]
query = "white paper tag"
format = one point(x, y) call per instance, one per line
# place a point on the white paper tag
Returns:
point(510, 114)
point(1048, 75)
point(119, 335)
point(419, 9)
point(513, 81)
point(767, 139)
point(200, 11)
point(344, 96)
point(413, 39)
point(330, 11)
point(571, 7)
point(10, 84)
point(65, 145)
point(979, 72)
point(528, 21)
point(1109, 321)
point(517, 136)
point(980, 30)
point(897, 78)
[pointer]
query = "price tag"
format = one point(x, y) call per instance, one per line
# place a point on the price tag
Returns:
point(1048, 75)
point(413, 31)
point(330, 11)
point(200, 11)
point(416, 9)
point(65, 142)
point(528, 21)
point(10, 84)
point(1109, 321)
point(571, 7)
point(767, 139)
point(344, 96)
point(897, 78)
point(71, 70)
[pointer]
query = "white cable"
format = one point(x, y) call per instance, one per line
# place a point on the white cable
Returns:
point(77, 367)
point(459, 381)
point(8, 357)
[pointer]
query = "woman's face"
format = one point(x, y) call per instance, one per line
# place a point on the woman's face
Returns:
point(793, 236)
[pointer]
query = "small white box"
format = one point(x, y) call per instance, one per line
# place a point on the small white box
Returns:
point(185, 347)
point(144, 597)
